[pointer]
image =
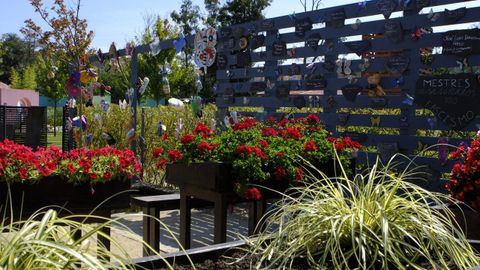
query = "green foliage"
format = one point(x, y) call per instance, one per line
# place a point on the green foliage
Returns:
point(241, 11)
point(182, 79)
point(15, 79)
point(213, 9)
point(187, 19)
point(53, 87)
point(29, 78)
point(119, 81)
point(116, 121)
point(377, 220)
point(148, 65)
point(16, 54)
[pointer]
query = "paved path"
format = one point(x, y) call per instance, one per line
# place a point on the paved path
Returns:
point(202, 229)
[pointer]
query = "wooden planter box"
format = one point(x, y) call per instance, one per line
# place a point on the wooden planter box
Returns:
point(49, 191)
point(218, 177)
point(214, 176)
point(469, 222)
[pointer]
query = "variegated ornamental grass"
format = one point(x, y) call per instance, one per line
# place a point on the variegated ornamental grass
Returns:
point(378, 220)
point(46, 240)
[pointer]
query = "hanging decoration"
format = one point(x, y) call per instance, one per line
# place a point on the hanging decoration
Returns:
point(112, 53)
point(204, 47)
point(129, 49)
point(144, 84)
point(73, 85)
point(180, 43)
point(155, 48)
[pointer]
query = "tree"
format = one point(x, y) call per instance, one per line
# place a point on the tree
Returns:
point(15, 79)
point(51, 79)
point(213, 9)
point(240, 11)
point(29, 78)
point(148, 64)
point(67, 37)
point(188, 20)
point(314, 4)
point(15, 55)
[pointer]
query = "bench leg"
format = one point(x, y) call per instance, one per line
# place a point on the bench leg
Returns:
point(220, 221)
point(185, 221)
point(105, 241)
point(256, 210)
point(151, 230)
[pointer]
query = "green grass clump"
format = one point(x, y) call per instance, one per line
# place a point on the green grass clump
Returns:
point(377, 220)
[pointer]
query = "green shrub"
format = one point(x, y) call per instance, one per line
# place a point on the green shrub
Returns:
point(378, 220)
point(116, 122)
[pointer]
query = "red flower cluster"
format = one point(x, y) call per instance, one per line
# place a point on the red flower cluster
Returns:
point(280, 173)
point(344, 143)
point(18, 162)
point(310, 146)
point(299, 174)
point(247, 150)
point(246, 123)
point(293, 133)
point(175, 155)
point(269, 132)
point(252, 193)
point(202, 129)
point(186, 139)
point(157, 152)
point(464, 184)
point(263, 143)
point(204, 147)
point(312, 119)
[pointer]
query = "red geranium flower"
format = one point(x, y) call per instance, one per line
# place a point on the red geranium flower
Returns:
point(310, 146)
point(263, 143)
point(259, 153)
point(157, 152)
point(299, 174)
point(252, 193)
point(174, 155)
point(312, 119)
point(202, 129)
point(186, 139)
point(269, 132)
point(205, 146)
point(280, 173)
point(271, 119)
point(244, 149)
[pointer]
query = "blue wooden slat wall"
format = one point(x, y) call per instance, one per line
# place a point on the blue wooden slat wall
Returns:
point(267, 68)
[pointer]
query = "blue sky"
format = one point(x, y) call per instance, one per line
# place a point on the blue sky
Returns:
point(120, 20)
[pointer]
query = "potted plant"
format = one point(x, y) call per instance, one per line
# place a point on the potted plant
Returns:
point(79, 179)
point(251, 153)
point(464, 186)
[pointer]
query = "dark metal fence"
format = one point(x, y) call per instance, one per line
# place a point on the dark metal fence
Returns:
point(68, 143)
point(24, 125)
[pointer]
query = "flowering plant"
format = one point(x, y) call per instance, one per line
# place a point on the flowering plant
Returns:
point(19, 163)
point(464, 184)
point(260, 152)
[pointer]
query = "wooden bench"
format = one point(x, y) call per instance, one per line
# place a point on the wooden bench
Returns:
point(151, 207)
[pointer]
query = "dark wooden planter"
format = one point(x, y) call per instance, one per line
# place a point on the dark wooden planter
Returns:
point(54, 190)
point(214, 176)
point(469, 222)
